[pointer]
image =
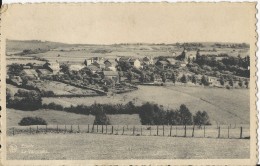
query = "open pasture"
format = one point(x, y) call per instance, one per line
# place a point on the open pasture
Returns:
point(105, 146)
point(223, 106)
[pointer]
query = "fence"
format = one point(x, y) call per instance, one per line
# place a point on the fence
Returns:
point(228, 132)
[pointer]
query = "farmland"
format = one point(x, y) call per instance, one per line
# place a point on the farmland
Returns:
point(97, 147)
point(223, 106)
point(53, 117)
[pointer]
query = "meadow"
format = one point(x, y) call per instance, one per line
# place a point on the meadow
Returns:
point(223, 106)
point(97, 147)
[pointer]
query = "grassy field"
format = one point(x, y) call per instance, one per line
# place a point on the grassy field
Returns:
point(223, 106)
point(97, 146)
point(61, 118)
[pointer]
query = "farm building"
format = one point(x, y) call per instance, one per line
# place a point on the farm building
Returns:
point(111, 75)
point(162, 64)
point(54, 67)
point(99, 65)
point(76, 67)
point(125, 59)
point(148, 60)
point(171, 61)
point(43, 72)
point(88, 62)
point(30, 73)
point(93, 69)
point(135, 63)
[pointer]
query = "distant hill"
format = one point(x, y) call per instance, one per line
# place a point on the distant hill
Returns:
point(19, 45)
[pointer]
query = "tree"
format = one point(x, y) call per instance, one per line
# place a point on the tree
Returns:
point(173, 78)
point(26, 121)
point(201, 118)
point(222, 81)
point(129, 76)
point(164, 77)
point(240, 83)
point(15, 69)
point(204, 81)
point(246, 83)
point(194, 79)
point(185, 115)
point(184, 78)
point(64, 68)
point(101, 118)
point(231, 82)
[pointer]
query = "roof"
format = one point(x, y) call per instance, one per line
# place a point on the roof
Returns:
point(134, 59)
point(30, 72)
point(171, 61)
point(93, 68)
point(163, 62)
point(110, 73)
point(44, 71)
point(76, 66)
point(147, 58)
point(124, 59)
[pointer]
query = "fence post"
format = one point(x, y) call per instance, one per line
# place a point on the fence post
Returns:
point(78, 129)
point(97, 128)
point(88, 128)
point(123, 130)
point(241, 130)
point(228, 131)
point(171, 131)
point(46, 129)
point(102, 128)
point(134, 130)
point(71, 128)
point(13, 130)
point(57, 129)
point(37, 129)
point(219, 132)
point(127, 127)
point(193, 131)
point(106, 128)
point(185, 131)
point(65, 128)
point(112, 129)
point(204, 131)
point(141, 130)
point(150, 130)
point(92, 128)
point(176, 131)
point(157, 131)
point(163, 130)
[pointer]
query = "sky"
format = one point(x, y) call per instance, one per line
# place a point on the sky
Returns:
point(104, 23)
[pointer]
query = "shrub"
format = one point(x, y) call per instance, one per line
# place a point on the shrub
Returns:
point(101, 118)
point(26, 121)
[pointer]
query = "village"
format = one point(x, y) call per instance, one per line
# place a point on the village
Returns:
point(123, 74)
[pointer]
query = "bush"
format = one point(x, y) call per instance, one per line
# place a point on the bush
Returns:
point(101, 118)
point(26, 121)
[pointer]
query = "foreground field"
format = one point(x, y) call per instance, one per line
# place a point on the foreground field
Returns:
point(97, 146)
point(223, 106)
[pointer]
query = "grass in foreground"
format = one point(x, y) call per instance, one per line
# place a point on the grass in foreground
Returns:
point(97, 146)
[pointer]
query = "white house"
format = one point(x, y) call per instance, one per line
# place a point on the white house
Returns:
point(135, 62)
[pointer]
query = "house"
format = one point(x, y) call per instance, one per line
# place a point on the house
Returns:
point(135, 63)
point(148, 60)
point(191, 55)
point(162, 64)
point(43, 72)
point(171, 61)
point(88, 62)
point(99, 64)
point(29, 73)
point(16, 80)
point(125, 59)
point(93, 69)
point(111, 75)
point(26, 67)
point(212, 80)
point(54, 67)
point(157, 78)
point(76, 67)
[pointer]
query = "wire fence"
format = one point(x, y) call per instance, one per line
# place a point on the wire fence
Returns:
point(223, 131)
